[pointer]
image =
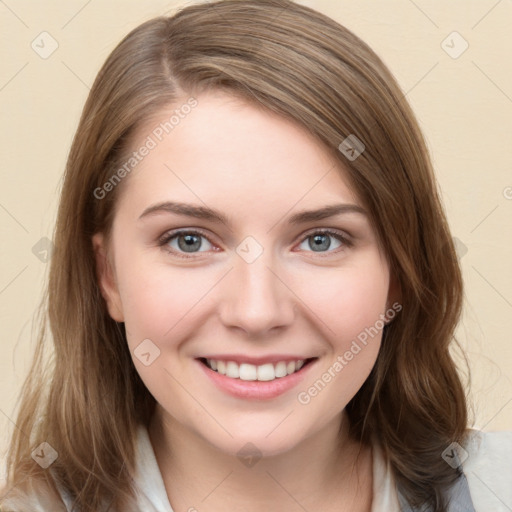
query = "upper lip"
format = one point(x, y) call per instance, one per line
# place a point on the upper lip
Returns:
point(241, 358)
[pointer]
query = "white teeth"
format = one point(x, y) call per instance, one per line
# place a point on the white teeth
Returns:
point(232, 370)
point(248, 372)
point(221, 367)
point(280, 369)
point(264, 372)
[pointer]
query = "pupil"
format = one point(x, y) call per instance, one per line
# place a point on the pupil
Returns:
point(321, 242)
point(191, 242)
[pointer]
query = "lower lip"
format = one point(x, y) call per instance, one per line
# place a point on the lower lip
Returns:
point(255, 389)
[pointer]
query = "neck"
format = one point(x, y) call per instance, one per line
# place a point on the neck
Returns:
point(326, 468)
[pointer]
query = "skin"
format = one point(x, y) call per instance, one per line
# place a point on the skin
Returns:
point(258, 169)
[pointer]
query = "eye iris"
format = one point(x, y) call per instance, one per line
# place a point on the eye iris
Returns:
point(191, 243)
point(321, 242)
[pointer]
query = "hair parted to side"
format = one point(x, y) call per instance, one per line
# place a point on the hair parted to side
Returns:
point(87, 400)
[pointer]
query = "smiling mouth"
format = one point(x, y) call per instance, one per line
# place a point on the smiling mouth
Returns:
point(250, 372)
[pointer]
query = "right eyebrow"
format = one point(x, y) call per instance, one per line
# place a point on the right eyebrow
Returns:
point(188, 210)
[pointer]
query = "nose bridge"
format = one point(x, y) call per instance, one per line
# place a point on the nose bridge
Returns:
point(255, 297)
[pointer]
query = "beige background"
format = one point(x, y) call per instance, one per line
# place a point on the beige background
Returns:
point(463, 102)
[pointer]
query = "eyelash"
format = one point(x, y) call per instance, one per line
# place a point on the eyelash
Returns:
point(167, 237)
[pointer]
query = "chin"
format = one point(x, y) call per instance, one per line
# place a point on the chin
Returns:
point(258, 443)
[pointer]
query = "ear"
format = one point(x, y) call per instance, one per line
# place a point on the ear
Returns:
point(106, 278)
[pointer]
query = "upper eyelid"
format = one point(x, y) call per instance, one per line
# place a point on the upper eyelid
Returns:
point(168, 235)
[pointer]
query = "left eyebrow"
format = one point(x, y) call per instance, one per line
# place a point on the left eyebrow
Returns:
point(325, 212)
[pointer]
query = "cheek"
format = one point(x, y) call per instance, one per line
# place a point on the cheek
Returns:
point(349, 302)
point(159, 304)
point(346, 300)
point(156, 298)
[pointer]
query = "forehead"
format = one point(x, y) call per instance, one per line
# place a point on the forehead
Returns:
point(226, 149)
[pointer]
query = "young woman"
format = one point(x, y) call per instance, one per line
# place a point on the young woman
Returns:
point(254, 289)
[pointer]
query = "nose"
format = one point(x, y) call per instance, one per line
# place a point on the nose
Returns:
point(255, 298)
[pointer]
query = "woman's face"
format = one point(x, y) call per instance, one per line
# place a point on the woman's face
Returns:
point(265, 287)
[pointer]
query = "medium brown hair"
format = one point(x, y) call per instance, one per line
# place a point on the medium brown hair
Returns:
point(87, 399)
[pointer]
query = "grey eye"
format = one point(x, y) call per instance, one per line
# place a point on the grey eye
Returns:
point(188, 242)
point(321, 242)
